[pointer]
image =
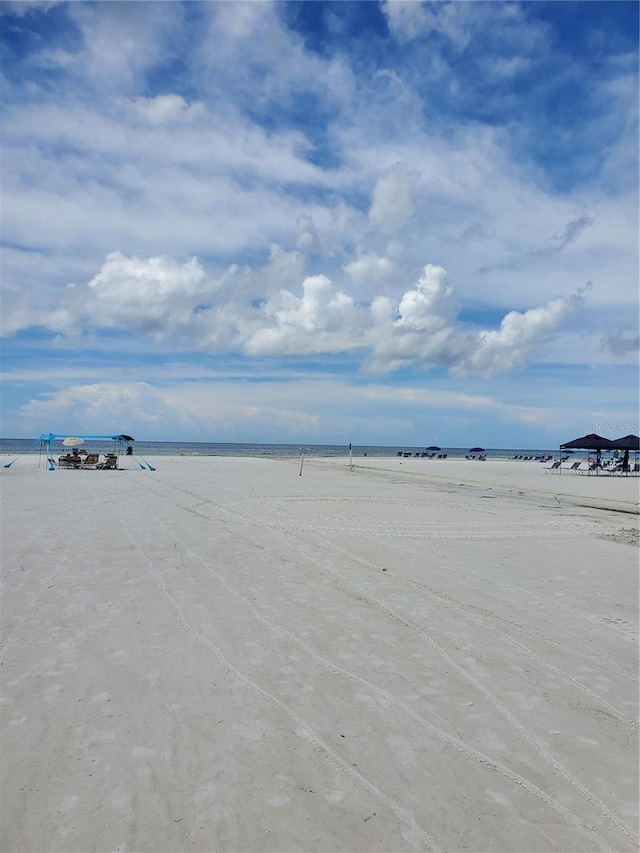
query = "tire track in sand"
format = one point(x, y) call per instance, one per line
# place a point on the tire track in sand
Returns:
point(410, 829)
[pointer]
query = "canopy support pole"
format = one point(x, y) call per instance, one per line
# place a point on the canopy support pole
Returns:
point(9, 464)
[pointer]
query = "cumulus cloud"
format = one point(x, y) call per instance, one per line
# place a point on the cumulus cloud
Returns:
point(394, 199)
point(368, 268)
point(323, 319)
point(180, 305)
point(510, 346)
point(137, 294)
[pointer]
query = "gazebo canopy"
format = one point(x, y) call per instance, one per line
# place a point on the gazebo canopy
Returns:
point(628, 442)
point(54, 436)
point(51, 437)
point(590, 442)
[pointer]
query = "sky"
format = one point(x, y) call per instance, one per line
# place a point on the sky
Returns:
point(393, 223)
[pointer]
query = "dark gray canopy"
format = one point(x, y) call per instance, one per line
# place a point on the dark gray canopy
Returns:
point(628, 442)
point(590, 442)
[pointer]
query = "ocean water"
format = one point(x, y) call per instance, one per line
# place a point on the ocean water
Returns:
point(17, 446)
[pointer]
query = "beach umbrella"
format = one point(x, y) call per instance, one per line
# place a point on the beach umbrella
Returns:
point(629, 442)
point(477, 450)
point(433, 447)
point(73, 441)
point(590, 442)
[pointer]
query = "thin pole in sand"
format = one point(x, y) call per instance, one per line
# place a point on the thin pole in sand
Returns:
point(301, 461)
point(350, 458)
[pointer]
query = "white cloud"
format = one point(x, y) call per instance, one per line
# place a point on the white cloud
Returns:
point(510, 346)
point(19, 8)
point(394, 199)
point(137, 294)
point(406, 19)
point(179, 305)
point(370, 269)
point(166, 108)
point(120, 42)
point(287, 410)
point(323, 319)
point(308, 240)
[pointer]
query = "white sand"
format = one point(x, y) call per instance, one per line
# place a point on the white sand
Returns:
point(226, 656)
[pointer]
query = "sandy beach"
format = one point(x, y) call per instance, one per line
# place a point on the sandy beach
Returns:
point(406, 655)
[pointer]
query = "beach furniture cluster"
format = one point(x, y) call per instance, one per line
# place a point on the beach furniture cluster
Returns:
point(619, 464)
point(82, 459)
point(543, 457)
point(408, 454)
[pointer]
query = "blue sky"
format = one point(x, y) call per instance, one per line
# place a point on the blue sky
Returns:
point(386, 223)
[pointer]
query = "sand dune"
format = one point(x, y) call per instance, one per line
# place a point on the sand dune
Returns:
point(223, 655)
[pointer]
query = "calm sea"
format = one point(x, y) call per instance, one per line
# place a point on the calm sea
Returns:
point(16, 446)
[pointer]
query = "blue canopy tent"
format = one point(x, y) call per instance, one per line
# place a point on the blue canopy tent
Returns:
point(123, 442)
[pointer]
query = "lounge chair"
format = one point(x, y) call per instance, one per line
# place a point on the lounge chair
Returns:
point(555, 466)
point(110, 462)
point(91, 460)
point(616, 469)
point(575, 466)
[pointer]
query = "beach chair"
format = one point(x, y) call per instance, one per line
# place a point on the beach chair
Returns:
point(110, 462)
point(555, 465)
point(575, 466)
point(91, 460)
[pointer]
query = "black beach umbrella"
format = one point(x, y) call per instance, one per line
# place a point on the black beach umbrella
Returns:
point(433, 447)
point(477, 450)
point(590, 442)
